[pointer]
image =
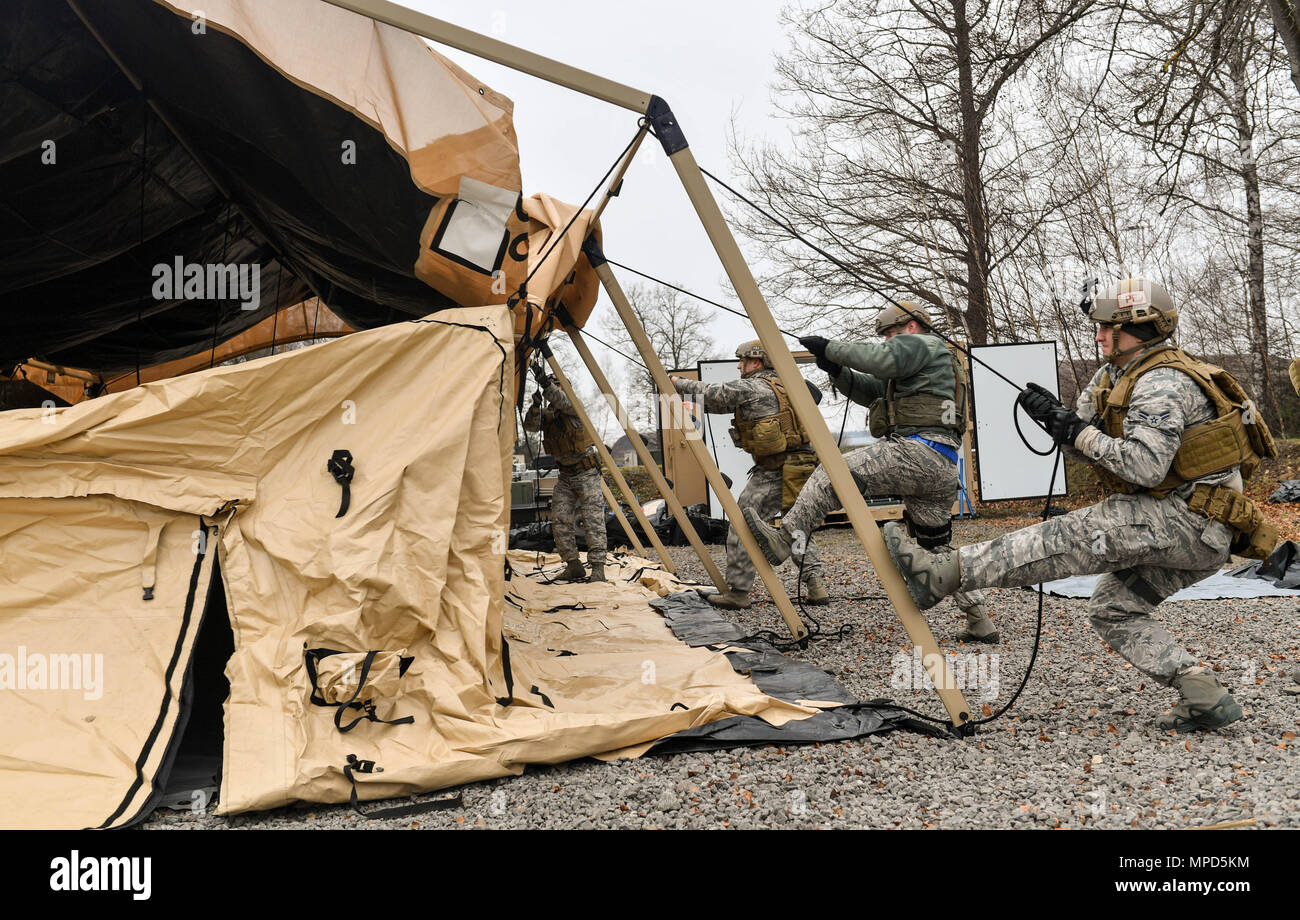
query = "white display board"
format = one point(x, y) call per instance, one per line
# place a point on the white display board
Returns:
point(1007, 468)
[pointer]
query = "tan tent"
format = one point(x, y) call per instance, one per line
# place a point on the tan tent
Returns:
point(116, 512)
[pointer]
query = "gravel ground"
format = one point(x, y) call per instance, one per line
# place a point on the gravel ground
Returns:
point(1078, 750)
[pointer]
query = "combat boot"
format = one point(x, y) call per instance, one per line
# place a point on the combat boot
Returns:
point(979, 626)
point(930, 577)
point(731, 599)
point(1204, 704)
point(574, 571)
point(816, 594)
point(773, 541)
point(597, 572)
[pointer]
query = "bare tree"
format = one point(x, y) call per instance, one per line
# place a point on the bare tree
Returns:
point(899, 164)
point(678, 329)
point(1201, 98)
point(1286, 18)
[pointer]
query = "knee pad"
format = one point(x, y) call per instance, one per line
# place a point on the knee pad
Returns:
point(927, 536)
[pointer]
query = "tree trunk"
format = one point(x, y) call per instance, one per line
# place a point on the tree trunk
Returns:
point(968, 159)
point(1254, 236)
point(1286, 16)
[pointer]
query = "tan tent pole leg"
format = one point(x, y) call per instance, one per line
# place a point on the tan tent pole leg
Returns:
point(698, 451)
point(605, 458)
point(493, 50)
point(648, 460)
point(822, 440)
point(610, 500)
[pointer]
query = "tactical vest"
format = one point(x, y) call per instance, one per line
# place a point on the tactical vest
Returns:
point(769, 438)
point(921, 410)
point(1216, 446)
point(563, 435)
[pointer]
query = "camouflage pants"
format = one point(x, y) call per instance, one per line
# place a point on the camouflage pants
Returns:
point(1123, 532)
point(925, 479)
point(762, 493)
point(579, 499)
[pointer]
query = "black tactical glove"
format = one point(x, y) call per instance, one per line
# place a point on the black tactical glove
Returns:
point(539, 375)
point(1062, 424)
point(830, 367)
point(1038, 403)
point(1065, 425)
point(816, 344)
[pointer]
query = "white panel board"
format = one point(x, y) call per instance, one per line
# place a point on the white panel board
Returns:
point(1008, 469)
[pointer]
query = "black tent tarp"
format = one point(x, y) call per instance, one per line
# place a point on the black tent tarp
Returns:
point(97, 188)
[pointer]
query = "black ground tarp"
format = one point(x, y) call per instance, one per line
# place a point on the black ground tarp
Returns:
point(1281, 568)
point(697, 623)
point(1287, 491)
point(79, 237)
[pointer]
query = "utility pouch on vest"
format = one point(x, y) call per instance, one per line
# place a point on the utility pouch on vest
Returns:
point(766, 438)
point(878, 418)
point(588, 462)
point(799, 465)
point(1212, 447)
point(1253, 537)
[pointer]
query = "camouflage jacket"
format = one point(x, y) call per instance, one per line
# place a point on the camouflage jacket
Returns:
point(557, 407)
point(918, 363)
point(1165, 402)
point(748, 397)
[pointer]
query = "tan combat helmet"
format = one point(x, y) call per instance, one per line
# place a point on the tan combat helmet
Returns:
point(900, 314)
point(1140, 307)
point(754, 349)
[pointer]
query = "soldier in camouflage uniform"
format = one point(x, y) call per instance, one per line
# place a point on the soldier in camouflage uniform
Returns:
point(1175, 514)
point(757, 396)
point(916, 389)
point(577, 496)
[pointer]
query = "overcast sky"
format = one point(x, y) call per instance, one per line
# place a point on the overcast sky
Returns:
point(707, 59)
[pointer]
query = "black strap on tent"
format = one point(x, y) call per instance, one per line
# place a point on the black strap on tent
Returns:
point(356, 765)
point(683, 706)
point(545, 699)
point(644, 568)
point(510, 674)
point(340, 467)
point(312, 656)
point(578, 606)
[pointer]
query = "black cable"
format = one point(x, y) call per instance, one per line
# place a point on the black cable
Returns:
point(555, 242)
point(856, 274)
point(683, 290)
point(618, 351)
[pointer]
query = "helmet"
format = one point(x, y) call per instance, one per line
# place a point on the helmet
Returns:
point(900, 314)
point(1143, 307)
point(754, 349)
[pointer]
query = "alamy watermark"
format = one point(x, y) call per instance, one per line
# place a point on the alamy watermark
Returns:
point(55, 671)
point(969, 671)
point(181, 280)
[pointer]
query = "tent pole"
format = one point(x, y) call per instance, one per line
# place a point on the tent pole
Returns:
point(633, 542)
point(499, 52)
point(648, 460)
point(605, 458)
point(706, 207)
point(823, 441)
point(694, 442)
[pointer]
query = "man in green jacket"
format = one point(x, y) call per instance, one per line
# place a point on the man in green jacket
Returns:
point(915, 388)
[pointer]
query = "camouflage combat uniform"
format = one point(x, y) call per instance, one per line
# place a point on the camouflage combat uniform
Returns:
point(577, 496)
point(749, 398)
point(1147, 547)
point(898, 464)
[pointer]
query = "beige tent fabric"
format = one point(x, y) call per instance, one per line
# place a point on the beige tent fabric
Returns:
point(414, 568)
point(456, 134)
